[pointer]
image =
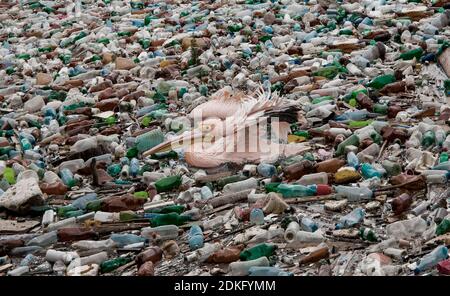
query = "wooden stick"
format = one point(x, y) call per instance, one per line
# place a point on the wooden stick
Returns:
point(310, 198)
point(382, 149)
point(230, 198)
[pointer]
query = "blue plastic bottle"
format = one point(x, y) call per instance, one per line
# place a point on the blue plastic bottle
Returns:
point(432, 259)
point(353, 218)
point(82, 201)
point(122, 240)
point(268, 271)
point(352, 160)
point(257, 216)
point(308, 224)
point(369, 172)
point(266, 170)
point(134, 167)
point(196, 239)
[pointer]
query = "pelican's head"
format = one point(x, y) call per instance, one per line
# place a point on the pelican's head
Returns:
point(211, 127)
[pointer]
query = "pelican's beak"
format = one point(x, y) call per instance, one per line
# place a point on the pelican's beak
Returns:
point(186, 139)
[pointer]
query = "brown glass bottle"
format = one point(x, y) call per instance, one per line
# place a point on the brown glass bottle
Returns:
point(122, 203)
point(75, 234)
point(297, 170)
point(57, 188)
point(153, 254)
point(315, 256)
point(146, 269)
point(401, 203)
point(107, 104)
point(364, 101)
point(226, 255)
point(330, 166)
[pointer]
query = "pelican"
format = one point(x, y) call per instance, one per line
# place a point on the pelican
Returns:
point(237, 129)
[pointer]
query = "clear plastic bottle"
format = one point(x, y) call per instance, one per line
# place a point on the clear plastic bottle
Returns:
point(242, 268)
point(44, 240)
point(101, 245)
point(250, 183)
point(292, 228)
point(305, 239)
point(165, 232)
point(311, 179)
point(124, 239)
point(354, 193)
point(406, 229)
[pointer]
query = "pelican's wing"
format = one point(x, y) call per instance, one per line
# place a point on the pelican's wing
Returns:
point(225, 103)
point(264, 107)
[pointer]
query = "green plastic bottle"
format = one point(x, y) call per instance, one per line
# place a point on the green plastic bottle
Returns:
point(367, 234)
point(322, 99)
point(147, 19)
point(168, 183)
point(9, 176)
point(23, 56)
point(128, 216)
point(169, 209)
point(67, 178)
point(114, 169)
point(309, 156)
point(103, 40)
point(5, 150)
point(149, 140)
point(132, 152)
point(392, 168)
point(428, 139)
point(382, 80)
point(141, 194)
point(271, 187)
point(25, 144)
point(145, 43)
point(443, 227)
point(414, 53)
point(115, 263)
point(443, 157)
point(94, 205)
point(294, 190)
point(359, 123)
point(328, 72)
point(304, 134)
point(45, 49)
point(165, 155)
point(75, 213)
point(352, 140)
point(380, 108)
point(346, 32)
point(63, 211)
point(258, 251)
point(169, 219)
